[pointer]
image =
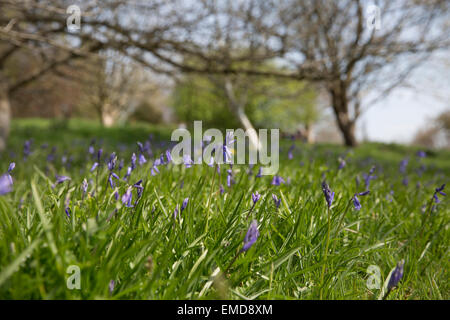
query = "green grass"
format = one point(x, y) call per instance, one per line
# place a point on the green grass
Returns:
point(151, 255)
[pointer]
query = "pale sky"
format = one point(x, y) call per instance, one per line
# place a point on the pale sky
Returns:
point(398, 117)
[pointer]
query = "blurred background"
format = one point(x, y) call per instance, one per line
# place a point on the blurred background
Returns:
point(321, 71)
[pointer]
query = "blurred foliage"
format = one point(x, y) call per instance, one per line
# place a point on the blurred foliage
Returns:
point(269, 102)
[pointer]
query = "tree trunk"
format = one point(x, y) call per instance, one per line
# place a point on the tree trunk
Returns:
point(238, 110)
point(340, 106)
point(5, 116)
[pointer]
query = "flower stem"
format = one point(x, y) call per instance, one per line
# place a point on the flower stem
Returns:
point(326, 253)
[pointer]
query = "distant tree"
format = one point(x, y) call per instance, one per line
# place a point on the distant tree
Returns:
point(436, 134)
point(265, 102)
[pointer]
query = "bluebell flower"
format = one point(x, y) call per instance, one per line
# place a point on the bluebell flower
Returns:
point(356, 202)
point(225, 148)
point(127, 197)
point(5, 185)
point(229, 175)
point(84, 186)
point(112, 161)
point(405, 181)
point(154, 170)
point(67, 211)
point(11, 167)
point(187, 161)
point(329, 195)
point(276, 200)
point(133, 161)
point(121, 164)
point(61, 179)
point(255, 197)
point(168, 156)
point(421, 154)
point(251, 236)
point(277, 180)
point(290, 152)
point(26, 149)
point(111, 181)
point(342, 164)
point(440, 191)
point(184, 204)
point(142, 159)
point(396, 276)
point(259, 174)
point(403, 165)
point(111, 286)
point(369, 177)
point(99, 155)
point(139, 188)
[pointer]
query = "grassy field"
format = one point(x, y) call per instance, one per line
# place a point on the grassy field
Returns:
point(148, 248)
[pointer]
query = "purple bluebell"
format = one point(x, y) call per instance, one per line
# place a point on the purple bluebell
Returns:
point(277, 180)
point(52, 155)
point(276, 200)
point(141, 147)
point(259, 174)
point(222, 190)
point(11, 167)
point(133, 161)
point(142, 159)
point(111, 286)
point(403, 165)
point(211, 162)
point(84, 186)
point(67, 211)
point(396, 276)
point(421, 154)
point(112, 161)
point(129, 169)
point(229, 176)
point(154, 170)
point(168, 156)
point(342, 164)
point(290, 152)
point(175, 212)
point(187, 161)
point(329, 195)
point(405, 181)
point(91, 149)
point(226, 149)
point(356, 202)
point(184, 204)
point(127, 197)
point(440, 191)
point(121, 164)
point(5, 185)
point(251, 236)
point(255, 197)
point(26, 149)
point(111, 181)
point(369, 177)
point(139, 188)
point(61, 179)
point(99, 155)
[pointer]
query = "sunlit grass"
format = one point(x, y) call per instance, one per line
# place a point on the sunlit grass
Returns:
point(151, 255)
